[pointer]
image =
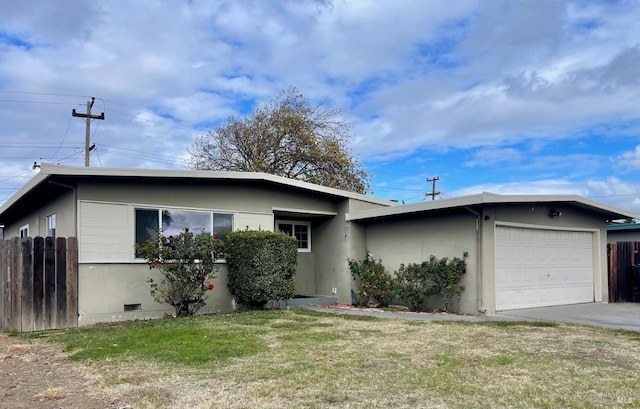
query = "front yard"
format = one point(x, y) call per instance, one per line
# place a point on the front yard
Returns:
point(303, 359)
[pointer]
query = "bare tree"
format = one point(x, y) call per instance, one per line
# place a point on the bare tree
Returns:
point(285, 137)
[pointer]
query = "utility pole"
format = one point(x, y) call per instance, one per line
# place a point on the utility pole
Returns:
point(88, 117)
point(433, 193)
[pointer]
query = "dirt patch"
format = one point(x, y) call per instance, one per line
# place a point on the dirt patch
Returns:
point(36, 375)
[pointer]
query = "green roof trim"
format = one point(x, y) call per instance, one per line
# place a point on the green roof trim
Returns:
point(624, 226)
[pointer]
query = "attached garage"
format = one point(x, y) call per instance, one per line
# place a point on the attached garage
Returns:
point(537, 267)
point(524, 251)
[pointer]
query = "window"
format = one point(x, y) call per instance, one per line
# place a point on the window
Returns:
point(24, 231)
point(175, 221)
point(51, 225)
point(300, 230)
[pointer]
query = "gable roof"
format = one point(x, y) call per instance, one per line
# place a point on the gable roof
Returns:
point(491, 198)
point(48, 170)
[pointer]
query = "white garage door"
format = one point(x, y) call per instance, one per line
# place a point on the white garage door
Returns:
point(537, 268)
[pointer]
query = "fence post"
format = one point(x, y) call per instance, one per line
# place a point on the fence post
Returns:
point(61, 282)
point(3, 293)
point(49, 283)
point(15, 263)
point(38, 284)
point(26, 248)
point(72, 282)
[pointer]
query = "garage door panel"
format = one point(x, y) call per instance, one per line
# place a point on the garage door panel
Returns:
point(537, 267)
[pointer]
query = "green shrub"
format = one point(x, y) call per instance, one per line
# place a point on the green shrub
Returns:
point(374, 283)
point(413, 284)
point(262, 266)
point(187, 265)
point(416, 282)
point(447, 278)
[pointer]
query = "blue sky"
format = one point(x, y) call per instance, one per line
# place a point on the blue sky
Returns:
point(512, 97)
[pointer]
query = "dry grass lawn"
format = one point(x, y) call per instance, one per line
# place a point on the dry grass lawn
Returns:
point(303, 359)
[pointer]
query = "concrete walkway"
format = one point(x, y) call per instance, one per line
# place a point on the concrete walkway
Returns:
point(617, 316)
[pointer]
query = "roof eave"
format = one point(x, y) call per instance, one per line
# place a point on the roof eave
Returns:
point(48, 169)
point(491, 198)
point(29, 186)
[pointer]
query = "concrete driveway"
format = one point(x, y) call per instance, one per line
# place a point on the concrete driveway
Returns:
point(618, 316)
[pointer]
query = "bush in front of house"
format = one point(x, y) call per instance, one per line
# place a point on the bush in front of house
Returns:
point(414, 283)
point(374, 284)
point(262, 266)
point(447, 276)
point(187, 265)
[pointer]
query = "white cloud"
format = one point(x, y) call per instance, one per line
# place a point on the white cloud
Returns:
point(610, 190)
point(493, 157)
point(484, 77)
point(630, 159)
point(534, 187)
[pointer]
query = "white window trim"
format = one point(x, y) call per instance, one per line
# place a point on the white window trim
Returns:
point(299, 223)
point(25, 227)
point(50, 217)
point(159, 209)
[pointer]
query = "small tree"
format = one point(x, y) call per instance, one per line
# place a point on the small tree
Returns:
point(187, 265)
point(262, 266)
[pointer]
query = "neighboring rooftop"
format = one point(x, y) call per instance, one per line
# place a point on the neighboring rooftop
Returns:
point(624, 226)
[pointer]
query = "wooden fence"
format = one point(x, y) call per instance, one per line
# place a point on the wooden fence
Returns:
point(38, 284)
point(622, 257)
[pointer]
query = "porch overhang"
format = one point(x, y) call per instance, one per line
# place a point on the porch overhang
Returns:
point(301, 213)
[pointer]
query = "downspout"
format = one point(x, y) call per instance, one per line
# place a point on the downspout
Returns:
point(478, 259)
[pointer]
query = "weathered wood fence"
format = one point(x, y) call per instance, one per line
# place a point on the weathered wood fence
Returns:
point(38, 284)
point(622, 257)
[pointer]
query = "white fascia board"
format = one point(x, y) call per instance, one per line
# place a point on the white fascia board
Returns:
point(202, 174)
point(489, 198)
point(304, 211)
point(416, 207)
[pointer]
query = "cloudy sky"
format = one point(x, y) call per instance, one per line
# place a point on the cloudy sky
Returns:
point(527, 96)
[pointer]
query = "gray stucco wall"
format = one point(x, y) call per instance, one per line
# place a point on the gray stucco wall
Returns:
point(305, 273)
point(63, 206)
point(332, 254)
point(104, 290)
point(318, 271)
point(414, 239)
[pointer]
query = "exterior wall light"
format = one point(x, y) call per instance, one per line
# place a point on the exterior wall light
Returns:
point(555, 213)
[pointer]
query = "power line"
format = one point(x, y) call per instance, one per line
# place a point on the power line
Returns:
point(16, 176)
point(143, 110)
point(152, 121)
point(36, 102)
point(43, 93)
point(34, 146)
point(63, 138)
point(132, 153)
